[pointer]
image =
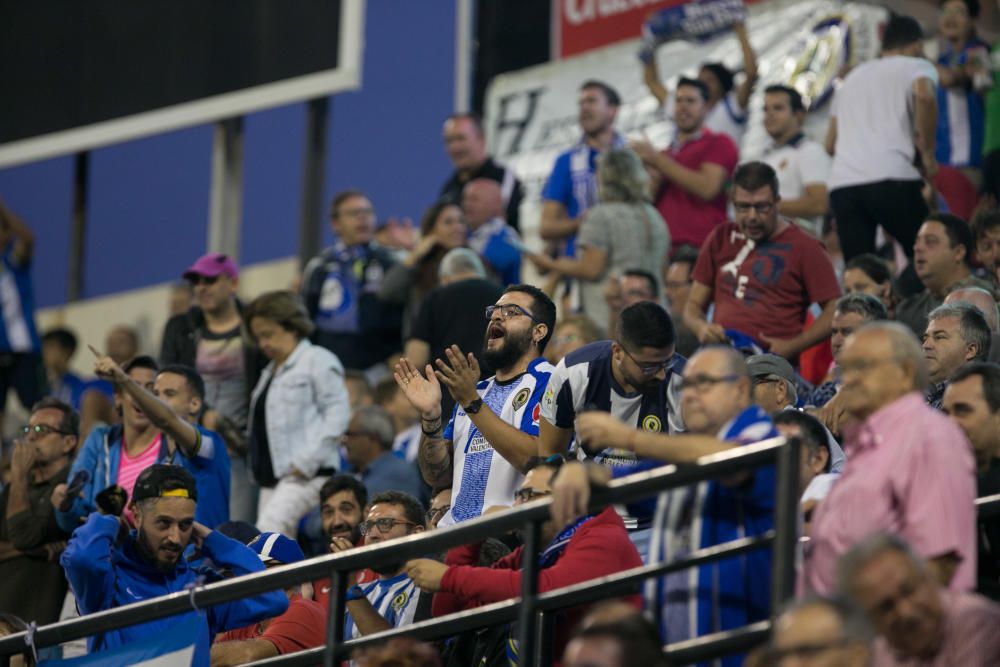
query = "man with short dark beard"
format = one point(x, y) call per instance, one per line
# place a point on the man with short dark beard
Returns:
point(108, 567)
point(482, 452)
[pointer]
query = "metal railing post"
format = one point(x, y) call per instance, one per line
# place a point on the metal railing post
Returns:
point(546, 637)
point(786, 525)
point(527, 631)
point(335, 621)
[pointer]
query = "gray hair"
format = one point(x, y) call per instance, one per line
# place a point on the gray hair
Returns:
point(972, 325)
point(867, 550)
point(867, 306)
point(905, 347)
point(621, 177)
point(981, 299)
point(854, 624)
point(459, 261)
point(376, 421)
point(791, 392)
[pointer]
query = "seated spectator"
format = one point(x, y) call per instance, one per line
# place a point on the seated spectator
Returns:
point(106, 573)
point(816, 474)
point(919, 622)
point(872, 275)
point(572, 332)
point(405, 419)
point(629, 641)
point(621, 232)
point(632, 286)
point(942, 259)
point(440, 504)
point(465, 143)
point(987, 305)
point(298, 412)
point(972, 400)
point(58, 348)
point(677, 288)
point(398, 652)
point(391, 601)
point(762, 273)
point(956, 333)
point(32, 585)
point(587, 548)
point(820, 631)
point(359, 390)
point(489, 234)
point(302, 627)
point(343, 506)
point(368, 448)
point(985, 227)
point(340, 288)
point(911, 469)
point(173, 406)
point(408, 282)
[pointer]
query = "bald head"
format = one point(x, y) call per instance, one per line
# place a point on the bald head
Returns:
point(880, 362)
point(982, 300)
point(482, 201)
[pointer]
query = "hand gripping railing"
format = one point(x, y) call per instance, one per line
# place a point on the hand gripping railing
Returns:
point(532, 611)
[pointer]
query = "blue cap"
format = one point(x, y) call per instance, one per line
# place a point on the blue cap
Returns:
point(276, 548)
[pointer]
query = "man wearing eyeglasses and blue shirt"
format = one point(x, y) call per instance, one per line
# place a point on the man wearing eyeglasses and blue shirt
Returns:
point(635, 378)
point(493, 430)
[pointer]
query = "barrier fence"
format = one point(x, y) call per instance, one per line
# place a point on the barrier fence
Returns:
point(532, 611)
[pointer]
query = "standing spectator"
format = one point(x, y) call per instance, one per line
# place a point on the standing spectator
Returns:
point(963, 70)
point(802, 164)
point(911, 469)
point(481, 452)
point(571, 188)
point(298, 412)
point(408, 282)
point(58, 347)
point(33, 586)
point(719, 416)
point(872, 275)
point(368, 448)
point(677, 283)
point(942, 259)
point(20, 348)
point(340, 288)
point(821, 631)
point(302, 627)
point(883, 107)
point(690, 175)
point(212, 338)
point(106, 573)
point(572, 332)
point(762, 273)
point(439, 324)
point(622, 232)
point(489, 234)
point(919, 622)
point(465, 143)
point(121, 343)
point(956, 333)
point(726, 102)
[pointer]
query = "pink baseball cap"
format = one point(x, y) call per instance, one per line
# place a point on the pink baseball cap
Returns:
point(213, 264)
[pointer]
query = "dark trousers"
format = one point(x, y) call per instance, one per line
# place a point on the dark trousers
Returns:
point(23, 372)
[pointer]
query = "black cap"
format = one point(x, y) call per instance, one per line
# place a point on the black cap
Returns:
point(164, 481)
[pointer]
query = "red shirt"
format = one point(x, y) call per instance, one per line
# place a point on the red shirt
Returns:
point(302, 626)
point(321, 587)
point(689, 217)
point(765, 288)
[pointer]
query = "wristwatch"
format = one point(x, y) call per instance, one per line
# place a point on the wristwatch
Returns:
point(474, 407)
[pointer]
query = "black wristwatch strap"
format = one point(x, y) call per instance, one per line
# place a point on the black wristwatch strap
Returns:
point(474, 407)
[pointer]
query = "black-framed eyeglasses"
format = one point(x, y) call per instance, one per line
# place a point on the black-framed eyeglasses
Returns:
point(507, 311)
point(649, 367)
point(203, 280)
point(528, 494)
point(702, 383)
point(436, 512)
point(39, 430)
point(383, 525)
point(762, 208)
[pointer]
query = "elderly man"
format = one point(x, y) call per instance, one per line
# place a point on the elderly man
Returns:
point(821, 631)
point(910, 471)
point(368, 446)
point(919, 622)
point(719, 415)
point(956, 333)
point(986, 303)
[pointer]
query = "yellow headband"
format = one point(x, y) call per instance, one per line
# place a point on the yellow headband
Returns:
point(175, 493)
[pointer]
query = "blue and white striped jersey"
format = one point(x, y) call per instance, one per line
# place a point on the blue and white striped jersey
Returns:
point(481, 476)
point(18, 332)
point(394, 599)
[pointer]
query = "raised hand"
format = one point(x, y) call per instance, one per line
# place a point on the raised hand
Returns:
point(423, 393)
point(106, 368)
point(460, 375)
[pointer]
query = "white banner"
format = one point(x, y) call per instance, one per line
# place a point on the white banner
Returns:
point(531, 115)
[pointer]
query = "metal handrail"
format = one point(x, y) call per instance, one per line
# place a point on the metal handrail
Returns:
point(528, 516)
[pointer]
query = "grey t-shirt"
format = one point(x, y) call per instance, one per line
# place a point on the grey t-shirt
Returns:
point(221, 363)
point(634, 236)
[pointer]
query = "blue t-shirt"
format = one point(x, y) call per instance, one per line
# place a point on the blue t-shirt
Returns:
point(210, 469)
point(961, 124)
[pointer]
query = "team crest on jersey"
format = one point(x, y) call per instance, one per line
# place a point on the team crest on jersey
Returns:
point(652, 423)
point(520, 398)
point(399, 601)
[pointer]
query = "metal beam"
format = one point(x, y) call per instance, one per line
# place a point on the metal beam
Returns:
point(78, 228)
point(313, 175)
point(226, 201)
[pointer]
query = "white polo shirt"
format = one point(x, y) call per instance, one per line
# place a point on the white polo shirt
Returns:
point(798, 163)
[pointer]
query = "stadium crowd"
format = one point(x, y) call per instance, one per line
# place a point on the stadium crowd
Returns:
point(692, 302)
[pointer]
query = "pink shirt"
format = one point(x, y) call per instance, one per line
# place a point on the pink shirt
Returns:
point(129, 468)
point(910, 471)
point(970, 636)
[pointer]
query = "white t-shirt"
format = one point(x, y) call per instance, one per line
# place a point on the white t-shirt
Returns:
point(727, 116)
point(874, 112)
point(799, 163)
